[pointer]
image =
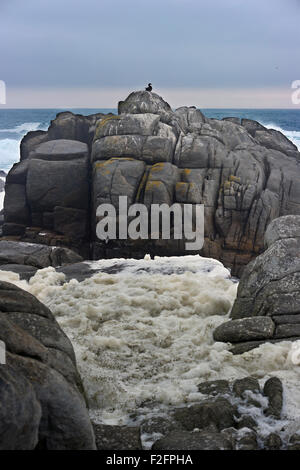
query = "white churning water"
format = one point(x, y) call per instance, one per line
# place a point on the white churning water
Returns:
point(143, 336)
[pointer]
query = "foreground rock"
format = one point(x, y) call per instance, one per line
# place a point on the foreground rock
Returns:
point(231, 416)
point(244, 174)
point(35, 255)
point(267, 304)
point(39, 384)
point(117, 437)
point(184, 440)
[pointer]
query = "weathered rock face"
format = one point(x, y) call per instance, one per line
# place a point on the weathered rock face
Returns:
point(268, 301)
point(39, 384)
point(244, 174)
point(39, 256)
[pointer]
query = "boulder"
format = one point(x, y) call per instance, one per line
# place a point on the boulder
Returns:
point(267, 303)
point(39, 384)
point(70, 222)
point(274, 391)
point(57, 183)
point(275, 140)
point(117, 437)
point(270, 284)
point(272, 442)
point(15, 204)
point(141, 124)
point(190, 118)
point(30, 141)
point(245, 329)
point(21, 415)
point(214, 387)
point(116, 177)
point(217, 413)
point(60, 149)
point(140, 102)
point(242, 386)
point(18, 173)
point(252, 126)
point(25, 272)
point(35, 255)
point(184, 440)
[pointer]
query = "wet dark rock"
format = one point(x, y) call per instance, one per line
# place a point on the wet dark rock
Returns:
point(214, 387)
point(39, 384)
point(247, 422)
point(218, 414)
point(294, 442)
point(245, 329)
point(117, 437)
point(185, 440)
point(247, 384)
point(272, 442)
point(274, 391)
point(248, 441)
point(20, 417)
point(159, 425)
point(267, 305)
point(35, 255)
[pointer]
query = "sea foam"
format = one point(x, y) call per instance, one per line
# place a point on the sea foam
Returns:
point(143, 341)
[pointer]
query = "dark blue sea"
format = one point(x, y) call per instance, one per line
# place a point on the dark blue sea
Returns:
point(15, 123)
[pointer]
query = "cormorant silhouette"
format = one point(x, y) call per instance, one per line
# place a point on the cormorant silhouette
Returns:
point(149, 87)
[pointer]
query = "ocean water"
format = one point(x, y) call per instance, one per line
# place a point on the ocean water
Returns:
point(15, 123)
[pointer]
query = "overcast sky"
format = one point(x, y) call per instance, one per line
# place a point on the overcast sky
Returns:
point(91, 53)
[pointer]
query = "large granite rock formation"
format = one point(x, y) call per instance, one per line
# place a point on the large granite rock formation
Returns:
point(244, 174)
point(267, 307)
point(41, 395)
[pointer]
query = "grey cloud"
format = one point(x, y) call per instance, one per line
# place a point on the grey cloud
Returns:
point(174, 43)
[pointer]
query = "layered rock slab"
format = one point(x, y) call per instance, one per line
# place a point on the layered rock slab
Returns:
point(44, 403)
point(268, 299)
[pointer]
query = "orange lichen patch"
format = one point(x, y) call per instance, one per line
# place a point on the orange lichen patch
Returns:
point(187, 171)
point(181, 184)
point(100, 164)
point(152, 184)
point(234, 178)
point(122, 158)
point(158, 166)
point(227, 184)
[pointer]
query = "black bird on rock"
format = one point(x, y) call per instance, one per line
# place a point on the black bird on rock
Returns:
point(149, 87)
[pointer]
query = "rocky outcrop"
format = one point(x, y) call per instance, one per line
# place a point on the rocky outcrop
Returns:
point(39, 384)
point(34, 255)
point(245, 175)
point(267, 307)
point(117, 437)
point(231, 416)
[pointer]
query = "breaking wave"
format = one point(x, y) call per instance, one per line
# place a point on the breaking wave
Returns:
point(294, 136)
point(23, 128)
